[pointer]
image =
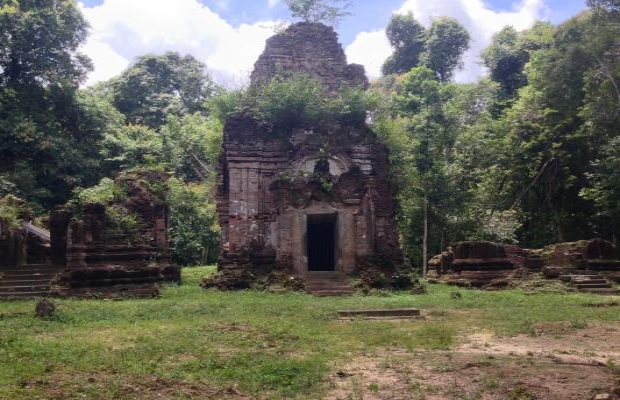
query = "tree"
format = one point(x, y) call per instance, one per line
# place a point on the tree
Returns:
point(194, 231)
point(191, 146)
point(505, 60)
point(510, 51)
point(446, 43)
point(425, 198)
point(48, 135)
point(39, 45)
point(158, 86)
point(408, 40)
point(439, 48)
point(556, 129)
point(324, 11)
point(607, 6)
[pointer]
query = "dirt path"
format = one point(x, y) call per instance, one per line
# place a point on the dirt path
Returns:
point(558, 362)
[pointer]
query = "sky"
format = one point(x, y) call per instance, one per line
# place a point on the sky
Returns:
point(229, 35)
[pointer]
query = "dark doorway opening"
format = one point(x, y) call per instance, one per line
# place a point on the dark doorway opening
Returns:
point(321, 242)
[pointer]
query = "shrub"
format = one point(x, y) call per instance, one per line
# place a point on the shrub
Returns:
point(12, 209)
point(297, 101)
point(193, 228)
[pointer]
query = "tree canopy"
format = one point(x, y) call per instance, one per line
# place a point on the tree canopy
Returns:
point(328, 12)
point(46, 144)
point(408, 40)
point(446, 43)
point(439, 48)
point(159, 85)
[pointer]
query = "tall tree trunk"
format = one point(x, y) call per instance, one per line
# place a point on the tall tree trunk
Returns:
point(425, 237)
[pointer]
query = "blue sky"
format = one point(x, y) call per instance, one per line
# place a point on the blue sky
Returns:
point(228, 35)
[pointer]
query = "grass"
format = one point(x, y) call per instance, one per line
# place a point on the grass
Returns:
point(193, 342)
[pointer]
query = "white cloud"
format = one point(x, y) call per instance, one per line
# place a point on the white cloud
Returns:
point(369, 49)
point(107, 62)
point(272, 3)
point(478, 19)
point(237, 52)
point(124, 29)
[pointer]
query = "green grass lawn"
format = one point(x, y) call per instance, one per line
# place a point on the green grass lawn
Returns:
point(264, 345)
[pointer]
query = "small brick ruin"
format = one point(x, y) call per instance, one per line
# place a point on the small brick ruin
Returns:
point(595, 255)
point(493, 265)
point(292, 206)
point(102, 258)
point(19, 247)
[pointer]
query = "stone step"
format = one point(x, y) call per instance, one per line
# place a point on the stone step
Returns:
point(109, 282)
point(29, 269)
point(580, 277)
point(23, 270)
point(113, 292)
point(23, 295)
point(327, 283)
point(332, 292)
point(599, 290)
point(30, 273)
point(590, 281)
point(589, 276)
point(25, 288)
point(324, 274)
point(28, 266)
point(382, 313)
point(330, 289)
point(592, 285)
point(22, 282)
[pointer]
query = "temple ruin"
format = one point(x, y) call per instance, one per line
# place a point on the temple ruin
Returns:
point(586, 265)
point(119, 248)
point(108, 249)
point(294, 204)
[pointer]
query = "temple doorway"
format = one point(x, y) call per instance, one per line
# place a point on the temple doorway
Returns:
point(321, 242)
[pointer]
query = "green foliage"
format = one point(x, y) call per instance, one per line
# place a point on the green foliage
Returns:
point(110, 194)
point(118, 217)
point(12, 209)
point(103, 193)
point(421, 143)
point(552, 147)
point(319, 11)
point(505, 60)
point(610, 7)
point(49, 135)
point(132, 146)
point(408, 40)
point(191, 146)
point(298, 101)
point(501, 226)
point(39, 45)
point(510, 51)
point(604, 185)
point(156, 87)
point(446, 43)
point(194, 231)
point(439, 48)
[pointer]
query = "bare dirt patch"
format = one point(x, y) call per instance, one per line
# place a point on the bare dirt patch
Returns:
point(558, 363)
point(560, 341)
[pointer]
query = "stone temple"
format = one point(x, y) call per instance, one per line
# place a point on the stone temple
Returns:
point(292, 204)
